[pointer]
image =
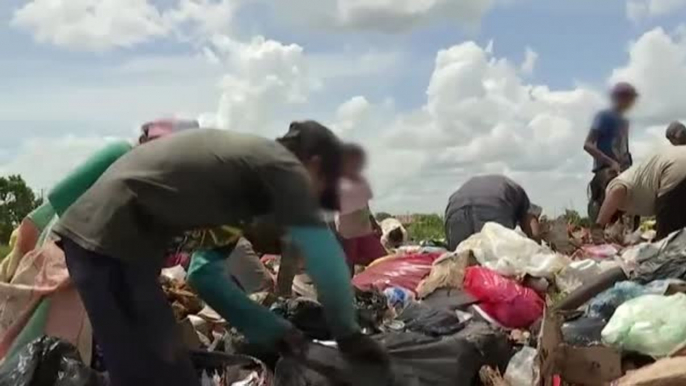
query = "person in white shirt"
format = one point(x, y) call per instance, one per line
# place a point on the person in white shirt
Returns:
point(654, 187)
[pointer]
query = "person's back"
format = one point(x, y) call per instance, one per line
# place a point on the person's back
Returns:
point(482, 199)
point(191, 180)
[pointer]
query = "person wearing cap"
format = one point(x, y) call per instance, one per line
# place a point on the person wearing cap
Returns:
point(115, 236)
point(608, 143)
point(489, 198)
point(676, 133)
point(654, 187)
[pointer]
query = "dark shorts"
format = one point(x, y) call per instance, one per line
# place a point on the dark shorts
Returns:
point(469, 220)
point(671, 211)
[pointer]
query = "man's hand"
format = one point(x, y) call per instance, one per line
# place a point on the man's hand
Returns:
point(616, 167)
point(360, 347)
point(598, 234)
point(293, 344)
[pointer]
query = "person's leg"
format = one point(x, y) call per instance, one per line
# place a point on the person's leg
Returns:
point(459, 226)
point(671, 213)
point(131, 320)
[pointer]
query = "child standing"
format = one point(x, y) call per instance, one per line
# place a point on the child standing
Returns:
point(357, 228)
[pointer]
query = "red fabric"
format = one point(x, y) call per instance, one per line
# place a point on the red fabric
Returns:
point(363, 250)
point(404, 271)
point(505, 300)
point(183, 259)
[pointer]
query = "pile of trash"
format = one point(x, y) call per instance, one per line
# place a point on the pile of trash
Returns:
point(500, 310)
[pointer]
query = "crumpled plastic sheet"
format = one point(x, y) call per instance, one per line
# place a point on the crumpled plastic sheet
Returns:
point(420, 317)
point(522, 369)
point(651, 325)
point(511, 254)
point(669, 262)
point(49, 361)
point(604, 305)
point(508, 302)
point(403, 271)
point(583, 332)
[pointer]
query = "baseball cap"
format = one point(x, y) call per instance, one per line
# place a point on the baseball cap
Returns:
point(307, 139)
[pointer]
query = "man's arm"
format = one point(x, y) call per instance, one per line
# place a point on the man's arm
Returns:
point(613, 200)
point(590, 146)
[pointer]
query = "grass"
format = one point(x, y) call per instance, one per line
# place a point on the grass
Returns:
point(4, 251)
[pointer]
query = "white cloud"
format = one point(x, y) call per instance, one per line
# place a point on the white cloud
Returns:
point(91, 24)
point(385, 15)
point(657, 66)
point(350, 115)
point(263, 77)
point(638, 10)
point(481, 117)
point(100, 25)
point(529, 63)
point(43, 162)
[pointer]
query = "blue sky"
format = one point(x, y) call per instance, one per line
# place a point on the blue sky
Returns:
point(438, 90)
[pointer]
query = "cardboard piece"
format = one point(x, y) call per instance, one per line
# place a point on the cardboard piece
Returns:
point(587, 366)
point(665, 372)
point(188, 334)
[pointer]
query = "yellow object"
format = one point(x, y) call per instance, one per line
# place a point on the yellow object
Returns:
point(211, 238)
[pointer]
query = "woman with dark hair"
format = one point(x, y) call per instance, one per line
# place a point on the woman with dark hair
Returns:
point(115, 236)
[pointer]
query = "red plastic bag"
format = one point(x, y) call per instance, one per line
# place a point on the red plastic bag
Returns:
point(505, 300)
point(404, 271)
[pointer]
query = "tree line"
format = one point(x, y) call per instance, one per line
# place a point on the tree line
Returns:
point(17, 200)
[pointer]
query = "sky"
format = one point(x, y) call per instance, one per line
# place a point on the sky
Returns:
point(436, 90)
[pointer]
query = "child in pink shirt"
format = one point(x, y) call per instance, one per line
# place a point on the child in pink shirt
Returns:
point(359, 232)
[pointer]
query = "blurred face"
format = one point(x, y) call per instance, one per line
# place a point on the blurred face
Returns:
point(353, 165)
point(624, 102)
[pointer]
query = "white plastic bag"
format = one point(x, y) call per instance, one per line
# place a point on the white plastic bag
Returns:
point(651, 324)
point(506, 252)
point(522, 371)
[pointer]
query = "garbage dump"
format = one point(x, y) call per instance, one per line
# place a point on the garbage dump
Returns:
point(500, 307)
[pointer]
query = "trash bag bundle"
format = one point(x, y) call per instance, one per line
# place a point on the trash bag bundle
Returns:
point(511, 254)
point(416, 360)
point(49, 361)
point(669, 262)
point(503, 299)
point(423, 318)
point(651, 324)
point(305, 314)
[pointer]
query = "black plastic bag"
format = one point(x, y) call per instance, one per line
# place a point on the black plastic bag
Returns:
point(668, 264)
point(49, 361)
point(416, 360)
point(420, 317)
point(583, 332)
point(306, 315)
